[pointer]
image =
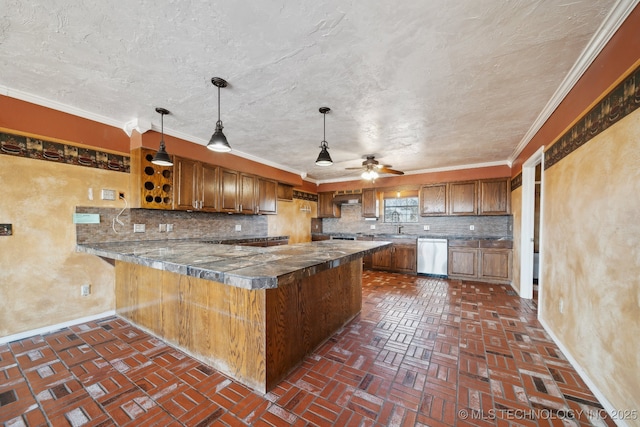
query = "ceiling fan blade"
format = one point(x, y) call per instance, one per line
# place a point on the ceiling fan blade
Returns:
point(357, 168)
point(393, 171)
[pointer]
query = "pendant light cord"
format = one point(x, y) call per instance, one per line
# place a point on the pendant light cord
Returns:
point(219, 122)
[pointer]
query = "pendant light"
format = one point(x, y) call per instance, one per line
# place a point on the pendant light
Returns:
point(162, 158)
point(218, 141)
point(324, 159)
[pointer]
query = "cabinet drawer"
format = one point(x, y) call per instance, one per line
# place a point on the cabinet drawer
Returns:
point(496, 244)
point(463, 243)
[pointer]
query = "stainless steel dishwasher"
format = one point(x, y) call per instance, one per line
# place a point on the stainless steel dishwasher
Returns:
point(432, 256)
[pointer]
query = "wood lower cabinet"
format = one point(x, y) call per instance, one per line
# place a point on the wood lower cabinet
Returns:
point(381, 260)
point(481, 260)
point(404, 259)
point(495, 263)
point(400, 257)
point(463, 263)
point(196, 186)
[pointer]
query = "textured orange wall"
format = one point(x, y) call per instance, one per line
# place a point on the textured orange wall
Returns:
point(591, 259)
point(30, 118)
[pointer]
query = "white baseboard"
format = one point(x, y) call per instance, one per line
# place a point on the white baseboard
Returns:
point(51, 328)
point(583, 374)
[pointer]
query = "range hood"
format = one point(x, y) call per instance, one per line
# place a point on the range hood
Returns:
point(341, 199)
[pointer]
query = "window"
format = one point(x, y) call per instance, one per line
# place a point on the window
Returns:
point(401, 209)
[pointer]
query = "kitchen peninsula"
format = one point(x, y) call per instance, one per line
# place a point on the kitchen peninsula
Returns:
point(253, 313)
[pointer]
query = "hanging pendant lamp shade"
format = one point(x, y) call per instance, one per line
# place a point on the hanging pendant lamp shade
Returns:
point(324, 159)
point(162, 158)
point(218, 141)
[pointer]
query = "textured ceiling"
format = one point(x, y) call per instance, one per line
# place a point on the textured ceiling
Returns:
point(421, 84)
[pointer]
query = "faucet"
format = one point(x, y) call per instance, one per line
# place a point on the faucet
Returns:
point(399, 229)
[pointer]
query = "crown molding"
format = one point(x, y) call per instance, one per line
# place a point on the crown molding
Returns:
point(607, 29)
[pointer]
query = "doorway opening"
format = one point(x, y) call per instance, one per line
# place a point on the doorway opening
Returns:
point(531, 259)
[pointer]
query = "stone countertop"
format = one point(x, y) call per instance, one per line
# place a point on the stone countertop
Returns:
point(413, 236)
point(242, 266)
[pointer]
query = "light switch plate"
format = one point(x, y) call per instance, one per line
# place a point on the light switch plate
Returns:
point(108, 194)
point(139, 228)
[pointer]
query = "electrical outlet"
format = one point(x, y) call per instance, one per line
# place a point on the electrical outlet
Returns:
point(472, 227)
point(108, 194)
point(372, 226)
point(139, 228)
point(238, 227)
point(425, 228)
point(169, 228)
point(90, 193)
point(162, 228)
point(85, 290)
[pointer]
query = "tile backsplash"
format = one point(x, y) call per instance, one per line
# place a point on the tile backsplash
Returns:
point(186, 225)
point(351, 221)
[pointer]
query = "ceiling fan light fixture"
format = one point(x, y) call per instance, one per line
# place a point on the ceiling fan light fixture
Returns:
point(324, 159)
point(218, 141)
point(369, 174)
point(162, 157)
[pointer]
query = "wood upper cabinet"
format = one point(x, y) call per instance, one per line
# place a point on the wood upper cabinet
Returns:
point(267, 196)
point(370, 203)
point(463, 198)
point(326, 207)
point(247, 193)
point(433, 199)
point(495, 197)
point(195, 185)
point(229, 185)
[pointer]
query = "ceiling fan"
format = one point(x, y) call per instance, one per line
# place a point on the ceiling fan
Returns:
point(373, 168)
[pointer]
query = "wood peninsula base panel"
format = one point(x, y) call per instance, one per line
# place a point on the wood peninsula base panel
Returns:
point(255, 336)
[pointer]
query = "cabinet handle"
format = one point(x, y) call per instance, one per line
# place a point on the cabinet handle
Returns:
point(194, 204)
point(201, 203)
point(240, 210)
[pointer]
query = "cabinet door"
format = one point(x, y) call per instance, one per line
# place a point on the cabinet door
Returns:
point(495, 264)
point(495, 196)
point(369, 203)
point(247, 193)
point(463, 198)
point(463, 262)
point(382, 259)
point(267, 196)
point(186, 178)
point(209, 188)
point(228, 190)
point(326, 207)
point(433, 199)
point(404, 258)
